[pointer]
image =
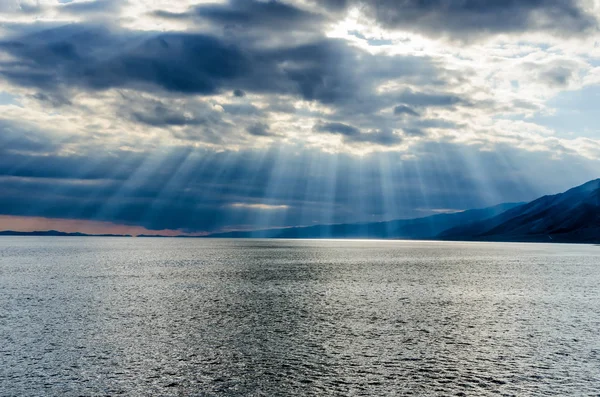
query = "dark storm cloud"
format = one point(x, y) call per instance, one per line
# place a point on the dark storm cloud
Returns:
point(185, 63)
point(161, 116)
point(319, 71)
point(250, 15)
point(170, 112)
point(169, 14)
point(54, 99)
point(92, 58)
point(270, 58)
point(469, 19)
point(403, 109)
point(335, 5)
point(193, 120)
point(352, 134)
point(259, 129)
point(338, 128)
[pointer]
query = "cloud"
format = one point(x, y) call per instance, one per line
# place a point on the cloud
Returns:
point(558, 76)
point(242, 109)
point(158, 114)
point(185, 63)
point(85, 60)
point(259, 129)
point(338, 128)
point(92, 57)
point(54, 99)
point(92, 7)
point(403, 109)
point(249, 14)
point(421, 99)
point(21, 7)
point(251, 20)
point(557, 73)
point(354, 135)
point(474, 19)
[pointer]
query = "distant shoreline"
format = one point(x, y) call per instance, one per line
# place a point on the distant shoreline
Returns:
point(530, 240)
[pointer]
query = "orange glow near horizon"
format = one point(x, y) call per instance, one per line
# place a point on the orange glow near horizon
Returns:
point(33, 224)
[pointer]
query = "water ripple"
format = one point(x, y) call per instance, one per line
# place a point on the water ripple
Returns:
point(171, 317)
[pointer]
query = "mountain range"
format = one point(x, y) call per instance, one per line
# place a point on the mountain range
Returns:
point(572, 216)
point(420, 228)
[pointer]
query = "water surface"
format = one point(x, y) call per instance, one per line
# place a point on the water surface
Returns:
point(172, 317)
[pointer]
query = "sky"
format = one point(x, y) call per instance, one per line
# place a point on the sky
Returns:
point(169, 117)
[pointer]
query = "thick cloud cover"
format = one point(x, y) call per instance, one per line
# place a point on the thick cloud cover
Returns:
point(471, 18)
point(93, 58)
point(250, 15)
point(203, 116)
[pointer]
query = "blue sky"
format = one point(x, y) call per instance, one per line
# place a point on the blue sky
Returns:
point(200, 116)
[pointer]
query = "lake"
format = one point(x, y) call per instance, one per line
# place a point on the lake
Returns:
point(194, 317)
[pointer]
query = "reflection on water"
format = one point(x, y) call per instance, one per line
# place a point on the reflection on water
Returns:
point(255, 317)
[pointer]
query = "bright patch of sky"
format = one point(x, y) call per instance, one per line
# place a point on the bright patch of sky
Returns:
point(574, 113)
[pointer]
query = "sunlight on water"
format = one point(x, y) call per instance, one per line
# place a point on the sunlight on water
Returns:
point(169, 317)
